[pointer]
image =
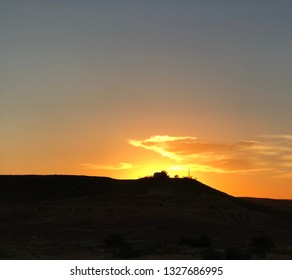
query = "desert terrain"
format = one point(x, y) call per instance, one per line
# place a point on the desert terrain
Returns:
point(82, 217)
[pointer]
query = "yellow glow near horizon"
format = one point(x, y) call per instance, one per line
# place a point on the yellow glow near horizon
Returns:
point(258, 168)
point(230, 167)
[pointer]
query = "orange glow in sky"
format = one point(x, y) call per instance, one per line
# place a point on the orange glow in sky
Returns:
point(244, 168)
point(125, 90)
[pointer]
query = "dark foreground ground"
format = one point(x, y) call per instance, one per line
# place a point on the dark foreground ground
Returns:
point(79, 217)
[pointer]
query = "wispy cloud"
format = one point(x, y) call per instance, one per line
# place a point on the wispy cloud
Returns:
point(163, 145)
point(269, 153)
point(115, 166)
point(279, 136)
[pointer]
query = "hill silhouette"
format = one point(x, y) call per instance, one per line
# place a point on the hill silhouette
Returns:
point(82, 217)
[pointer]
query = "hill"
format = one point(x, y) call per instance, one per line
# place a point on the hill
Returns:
point(82, 217)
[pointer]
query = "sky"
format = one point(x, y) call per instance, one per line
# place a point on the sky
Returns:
point(127, 88)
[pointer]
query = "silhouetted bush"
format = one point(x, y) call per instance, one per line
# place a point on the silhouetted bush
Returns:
point(205, 240)
point(119, 248)
point(160, 175)
point(126, 251)
point(212, 254)
point(261, 245)
point(235, 253)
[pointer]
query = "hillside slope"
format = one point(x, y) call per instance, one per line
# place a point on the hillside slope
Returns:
point(78, 213)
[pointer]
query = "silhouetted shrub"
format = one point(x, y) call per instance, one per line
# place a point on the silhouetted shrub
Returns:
point(160, 175)
point(212, 254)
point(235, 253)
point(126, 251)
point(118, 247)
point(261, 245)
point(205, 240)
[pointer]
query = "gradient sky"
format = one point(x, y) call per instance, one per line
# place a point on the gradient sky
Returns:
point(127, 88)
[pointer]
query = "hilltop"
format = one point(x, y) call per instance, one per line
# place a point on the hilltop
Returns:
point(83, 217)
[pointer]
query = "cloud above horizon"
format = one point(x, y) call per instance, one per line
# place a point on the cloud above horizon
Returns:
point(112, 166)
point(271, 153)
